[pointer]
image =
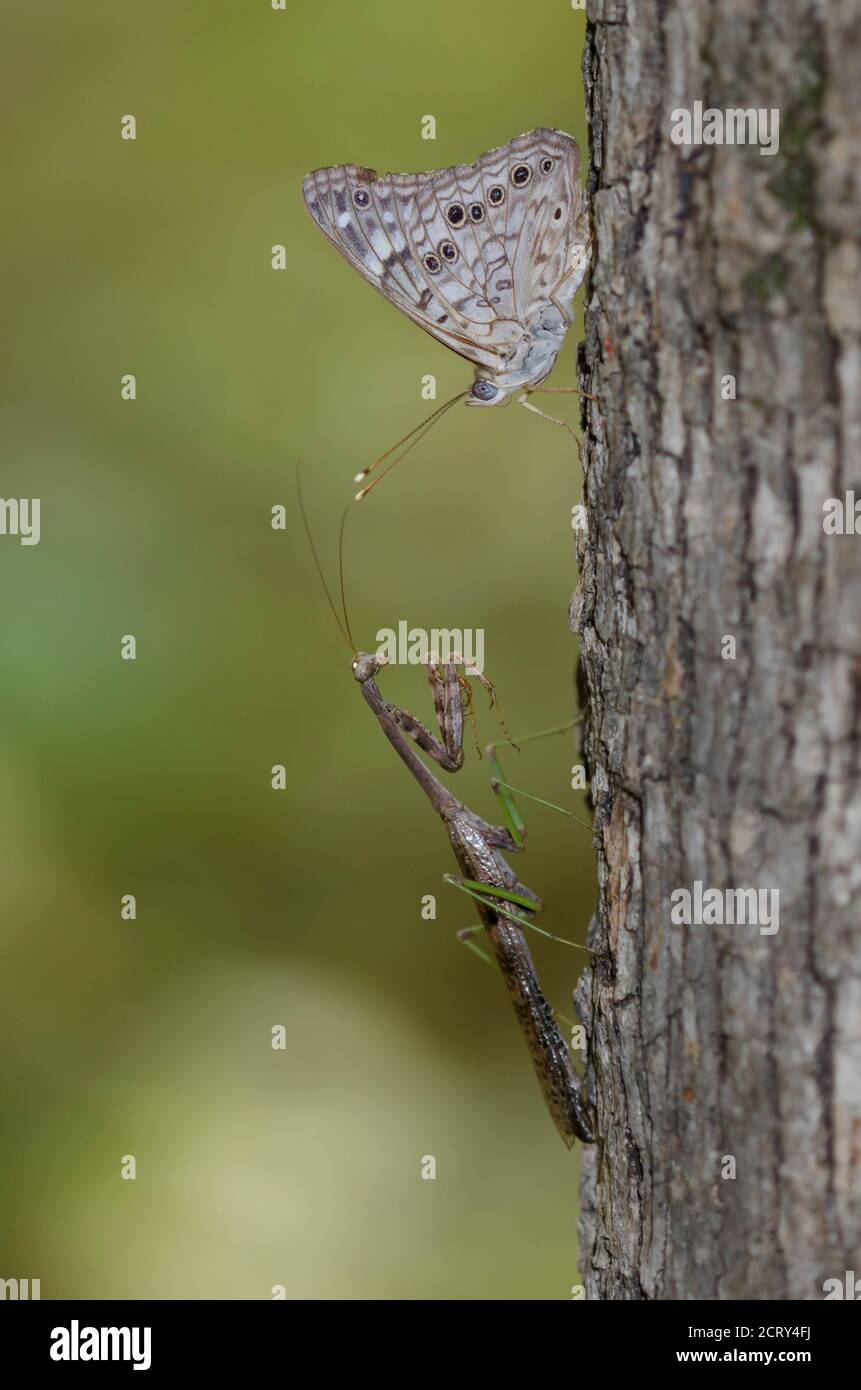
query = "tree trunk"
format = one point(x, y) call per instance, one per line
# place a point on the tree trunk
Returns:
point(725, 1061)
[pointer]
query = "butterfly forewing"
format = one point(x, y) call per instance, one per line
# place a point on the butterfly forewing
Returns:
point(374, 239)
point(469, 252)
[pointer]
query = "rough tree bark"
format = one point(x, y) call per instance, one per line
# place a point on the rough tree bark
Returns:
point(705, 520)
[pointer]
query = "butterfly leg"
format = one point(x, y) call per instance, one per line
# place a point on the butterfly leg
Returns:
point(569, 390)
point(554, 420)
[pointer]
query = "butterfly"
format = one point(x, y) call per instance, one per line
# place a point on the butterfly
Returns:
point(486, 257)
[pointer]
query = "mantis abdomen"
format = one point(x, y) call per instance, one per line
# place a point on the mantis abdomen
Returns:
point(551, 1059)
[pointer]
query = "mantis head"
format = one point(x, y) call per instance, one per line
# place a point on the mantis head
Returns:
point(367, 664)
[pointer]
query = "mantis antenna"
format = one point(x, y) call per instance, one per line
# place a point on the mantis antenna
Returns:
point(341, 576)
point(343, 627)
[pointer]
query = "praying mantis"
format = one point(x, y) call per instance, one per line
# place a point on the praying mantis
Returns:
point(505, 905)
point(478, 847)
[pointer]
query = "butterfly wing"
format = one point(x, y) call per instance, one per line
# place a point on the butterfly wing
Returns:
point(381, 237)
point(541, 215)
point(552, 254)
point(466, 252)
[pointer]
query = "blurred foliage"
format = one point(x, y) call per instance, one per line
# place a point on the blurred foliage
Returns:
point(152, 1037)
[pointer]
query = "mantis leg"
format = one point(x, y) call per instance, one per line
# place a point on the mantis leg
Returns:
point(449, 712)
point(465, 937)
point(470, 670)
point(513, 819)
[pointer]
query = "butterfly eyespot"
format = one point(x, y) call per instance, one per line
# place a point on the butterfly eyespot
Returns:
point(483, 390)
point(546, 166)
point(557, 214)
point(496, 195)
point(476, 212)
point(520, 175)
point(361, 197)
point(448, 251)
point(432, 262)
point(455, 214)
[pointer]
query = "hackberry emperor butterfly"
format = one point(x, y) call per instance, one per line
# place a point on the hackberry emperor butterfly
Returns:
point(486, 257)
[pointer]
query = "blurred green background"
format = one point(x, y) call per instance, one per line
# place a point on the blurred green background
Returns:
point(255, 908)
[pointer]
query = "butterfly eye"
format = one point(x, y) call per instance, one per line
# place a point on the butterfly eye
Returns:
point(483, 390)
point(557, 214)
point(455, 214)
point(448, 251)
point(476, 212)
point(520, 174)
point(546, 166)
point(361, 197)
point(496, 195)
point(432, 262)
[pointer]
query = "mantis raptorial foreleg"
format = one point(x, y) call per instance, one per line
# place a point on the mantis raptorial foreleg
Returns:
point(452, 697)
point(489, 687)
point(504, 903)
point(449, 712)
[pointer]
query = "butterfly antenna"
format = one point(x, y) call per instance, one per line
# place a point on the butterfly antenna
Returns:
point(341, 573)
point(415, 435)
point(344, 631)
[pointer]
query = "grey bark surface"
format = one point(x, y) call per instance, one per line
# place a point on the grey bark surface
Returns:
point(705, 519)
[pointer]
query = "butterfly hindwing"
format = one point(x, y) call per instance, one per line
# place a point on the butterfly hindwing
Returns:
point(545, 211)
